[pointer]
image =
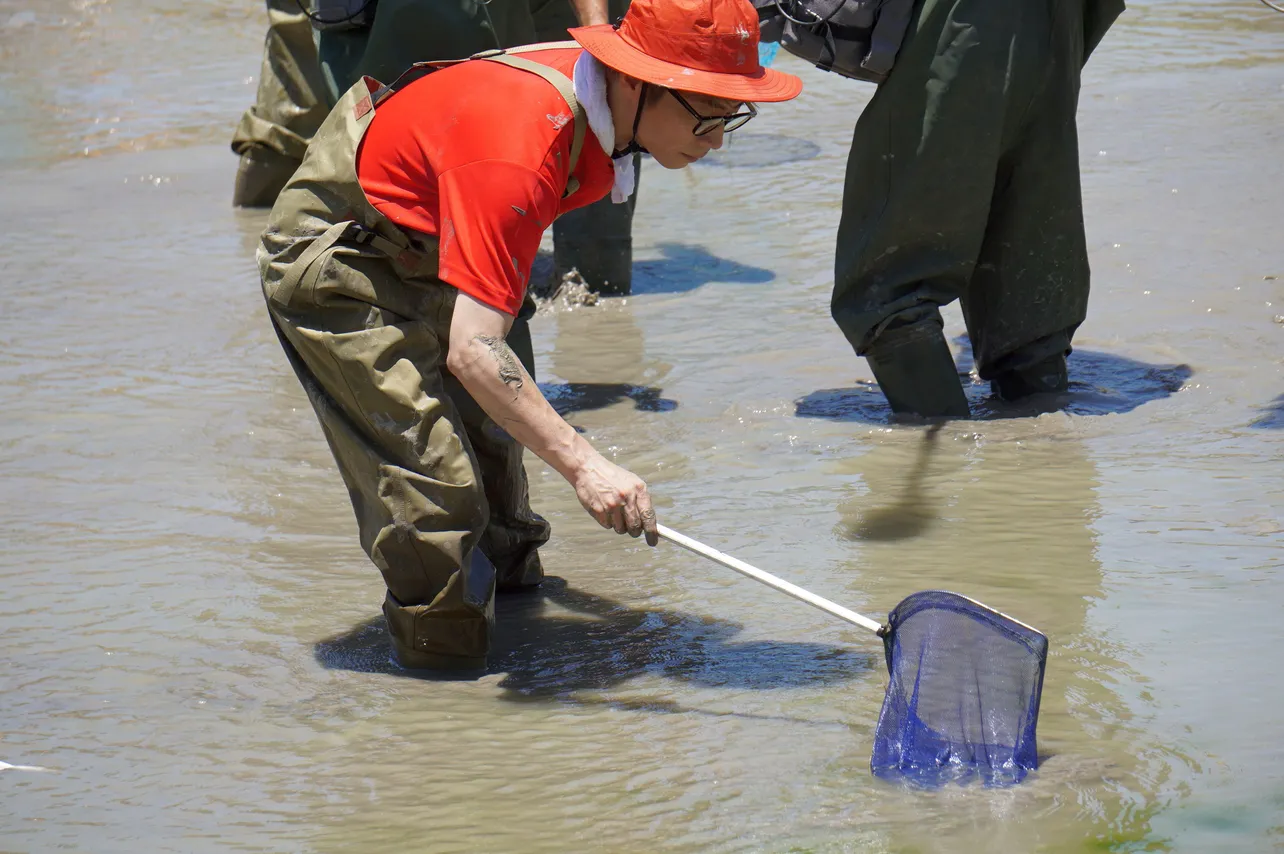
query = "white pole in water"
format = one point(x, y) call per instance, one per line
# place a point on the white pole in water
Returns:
point(768, 579)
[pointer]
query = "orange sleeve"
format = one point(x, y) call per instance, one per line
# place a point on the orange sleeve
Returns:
point(492, 214)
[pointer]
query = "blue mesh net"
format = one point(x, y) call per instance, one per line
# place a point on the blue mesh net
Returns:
point(963, 699)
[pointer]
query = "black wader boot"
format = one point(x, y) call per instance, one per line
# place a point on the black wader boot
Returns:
point(916, 372)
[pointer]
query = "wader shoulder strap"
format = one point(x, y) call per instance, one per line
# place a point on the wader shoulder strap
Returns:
point(420, 69)
point(564, 87)
point(284, 290)
point(531, 48)
point(511, 58)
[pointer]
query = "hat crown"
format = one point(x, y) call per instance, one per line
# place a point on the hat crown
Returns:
point(719, 36)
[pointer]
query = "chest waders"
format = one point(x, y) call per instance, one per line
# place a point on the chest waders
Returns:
point(963, 183)
point(438, 489)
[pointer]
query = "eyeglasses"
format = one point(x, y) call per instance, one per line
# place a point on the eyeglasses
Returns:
point(707, 124)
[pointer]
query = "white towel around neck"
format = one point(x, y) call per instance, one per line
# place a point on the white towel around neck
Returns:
point(590, 91)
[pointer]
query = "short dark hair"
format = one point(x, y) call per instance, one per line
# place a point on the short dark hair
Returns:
point(654, 92)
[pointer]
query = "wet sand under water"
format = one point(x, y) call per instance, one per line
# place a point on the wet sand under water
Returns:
point(190, 656)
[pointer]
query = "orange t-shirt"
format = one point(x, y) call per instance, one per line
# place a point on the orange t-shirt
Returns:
point(476, 154)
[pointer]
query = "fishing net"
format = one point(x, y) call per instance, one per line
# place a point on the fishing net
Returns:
point(963, 699)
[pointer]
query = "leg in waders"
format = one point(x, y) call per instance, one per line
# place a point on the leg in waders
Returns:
point(402, 33)
point(596, 240)
point(963, 183)
point(289, 106)
point(438, 489)
point(384, 277)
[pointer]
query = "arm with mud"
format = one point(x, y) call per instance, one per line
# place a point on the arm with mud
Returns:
point(483, 362)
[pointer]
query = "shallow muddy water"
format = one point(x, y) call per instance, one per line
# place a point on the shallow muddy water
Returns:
point(190, 652)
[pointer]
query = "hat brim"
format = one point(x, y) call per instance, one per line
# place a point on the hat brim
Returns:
point(763, 86)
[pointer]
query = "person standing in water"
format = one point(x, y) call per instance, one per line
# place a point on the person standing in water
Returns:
point(963, 183)
point(395, 260)
point(289, 106)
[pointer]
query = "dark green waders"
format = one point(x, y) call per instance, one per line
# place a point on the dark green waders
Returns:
point(963, 183)
point(408, 31)
point(290, 105)
point(438, 489)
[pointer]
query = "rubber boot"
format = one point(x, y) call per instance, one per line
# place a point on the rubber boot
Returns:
point(427, 662)
point(1047, 376)
point(260, 177)
point(405, 651)
point(916, 372)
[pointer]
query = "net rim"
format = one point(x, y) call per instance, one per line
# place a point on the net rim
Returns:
point(895, 618)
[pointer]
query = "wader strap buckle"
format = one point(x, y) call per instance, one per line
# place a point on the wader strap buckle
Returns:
point(284, 290)
point(414, 262)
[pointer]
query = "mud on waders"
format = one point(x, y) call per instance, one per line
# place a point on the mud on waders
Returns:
point(438, 489)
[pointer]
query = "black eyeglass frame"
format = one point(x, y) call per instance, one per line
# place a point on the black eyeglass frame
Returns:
point(707, 124)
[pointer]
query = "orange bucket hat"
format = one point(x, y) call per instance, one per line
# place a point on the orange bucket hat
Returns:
point(709, 47)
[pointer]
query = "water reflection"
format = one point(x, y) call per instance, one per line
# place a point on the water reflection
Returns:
point(1100, 384)
point(686, 267)
point(910, 511)
point(1011, 524)
point(759, 150)
point(600, 356)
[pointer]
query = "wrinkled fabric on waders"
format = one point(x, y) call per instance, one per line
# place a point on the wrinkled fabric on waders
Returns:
point(290, 105)
point(963, 183)
point(438, 488)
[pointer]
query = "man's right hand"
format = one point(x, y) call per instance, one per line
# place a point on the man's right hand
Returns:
point(616, 498)
point(484, 364)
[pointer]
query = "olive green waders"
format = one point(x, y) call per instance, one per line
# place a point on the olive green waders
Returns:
point(963, 183)
point(289, 106)
point(438, 489)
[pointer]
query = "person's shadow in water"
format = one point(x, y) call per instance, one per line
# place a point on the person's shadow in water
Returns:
point(584, 397)
point(587, 643)
point(686, 267)
point(1100, 384)
point(1272, 417)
